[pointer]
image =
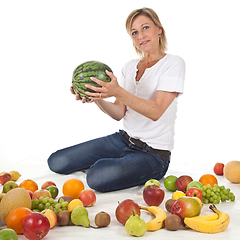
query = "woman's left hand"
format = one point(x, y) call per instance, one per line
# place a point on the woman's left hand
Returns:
point(107, 89)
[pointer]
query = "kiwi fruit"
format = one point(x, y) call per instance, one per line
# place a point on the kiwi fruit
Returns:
point(169, 203)
point(102, 219)
point(173, 222)
point(63, 218)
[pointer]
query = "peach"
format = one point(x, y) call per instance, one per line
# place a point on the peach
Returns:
point(51, 216)
point(41, 193)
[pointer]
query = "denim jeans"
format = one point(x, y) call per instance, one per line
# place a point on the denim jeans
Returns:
point(112, 161)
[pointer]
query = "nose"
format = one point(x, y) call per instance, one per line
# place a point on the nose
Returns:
point(140, 35)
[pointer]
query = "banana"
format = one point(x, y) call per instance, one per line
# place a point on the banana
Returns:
point(1, 196)
point(207, 217)
point(206, 226)
point(15, 175)
point(158, 222)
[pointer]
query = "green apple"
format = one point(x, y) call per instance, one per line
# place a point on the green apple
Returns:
point(152, 182)
point(9, 186)
point(8, 234)
point(196, 184)
point(170, 183)
point(53, 190)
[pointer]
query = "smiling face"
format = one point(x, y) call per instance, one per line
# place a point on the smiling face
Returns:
point(145, 34)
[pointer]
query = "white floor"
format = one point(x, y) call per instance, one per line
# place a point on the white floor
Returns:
point(36, 168)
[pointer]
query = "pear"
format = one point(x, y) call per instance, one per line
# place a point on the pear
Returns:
point(79, 216)
point(9, 186)
point(135, 225)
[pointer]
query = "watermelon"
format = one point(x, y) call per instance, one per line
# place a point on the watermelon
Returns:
point(81, 76)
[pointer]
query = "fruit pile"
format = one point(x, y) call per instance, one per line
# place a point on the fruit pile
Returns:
point(33, 212)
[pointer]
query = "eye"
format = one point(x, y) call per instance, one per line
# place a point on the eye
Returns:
point(134, 33)
point(145, 27)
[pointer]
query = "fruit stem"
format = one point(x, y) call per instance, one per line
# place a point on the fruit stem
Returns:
point(214, 208)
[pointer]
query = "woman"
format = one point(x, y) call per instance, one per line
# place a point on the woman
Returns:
point(146, 100)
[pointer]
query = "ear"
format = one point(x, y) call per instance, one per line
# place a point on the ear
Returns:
point(160, 30)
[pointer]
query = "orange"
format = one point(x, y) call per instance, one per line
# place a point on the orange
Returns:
point(29, 185)
point(72, 187)
point(208, 179)
point(15, 218)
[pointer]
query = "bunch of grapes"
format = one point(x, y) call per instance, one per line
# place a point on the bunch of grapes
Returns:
point(216, 194)
point(49, 203)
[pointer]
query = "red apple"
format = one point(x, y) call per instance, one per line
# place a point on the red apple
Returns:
point(218, 168)
point(194, 192)
point(153, 195)
point(35, 226)
point(30, 193)
point(87, 197)
point(41, 193)
point(125, 209)
point(5, 177)
point(52, 217)
point(47, 184)
point(182, 182)
point(186, 207)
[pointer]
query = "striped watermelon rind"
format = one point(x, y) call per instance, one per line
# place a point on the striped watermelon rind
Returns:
point(82, 73)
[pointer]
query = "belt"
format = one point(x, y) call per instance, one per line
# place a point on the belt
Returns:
point(142, 145)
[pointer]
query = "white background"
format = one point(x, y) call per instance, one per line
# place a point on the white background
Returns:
point(43, 41)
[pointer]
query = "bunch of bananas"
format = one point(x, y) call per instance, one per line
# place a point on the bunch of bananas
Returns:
point(210, 223)
point(158, 222)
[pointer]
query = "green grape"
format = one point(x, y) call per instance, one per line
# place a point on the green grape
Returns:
point(209, 186)
point(51, 200)
point(215, 197)
point(41, 199)
point(57, 206)
point(51, 207)
point(55, 210)
point(61, 200)
point(40, 206)
point(222, 188)
point(33, 206)
point(232, 198)
point(44, 201)
point(206, 201)
point(58, 210)
point(64, 204)
point(209, 192)
point(225, 191)
point(36, 201)
point(47, 205)
point(204, 188)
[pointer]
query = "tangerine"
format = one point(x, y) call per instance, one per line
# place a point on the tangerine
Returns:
point(29, 184)
point(72, 187)
point(208, 179)
point(15, 219)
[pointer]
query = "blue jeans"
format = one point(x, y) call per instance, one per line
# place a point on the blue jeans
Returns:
point(112, 161)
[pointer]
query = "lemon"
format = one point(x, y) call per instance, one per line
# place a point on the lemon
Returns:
point(177, 194)
point(74, 203)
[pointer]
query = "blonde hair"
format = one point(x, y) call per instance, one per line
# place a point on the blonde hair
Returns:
point(154, 17)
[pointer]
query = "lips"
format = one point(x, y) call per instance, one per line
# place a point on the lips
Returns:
point(145, 42)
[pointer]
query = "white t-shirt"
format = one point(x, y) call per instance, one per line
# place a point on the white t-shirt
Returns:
point(167, 75)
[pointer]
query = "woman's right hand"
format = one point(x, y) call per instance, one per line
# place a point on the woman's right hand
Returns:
point(77, 96)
